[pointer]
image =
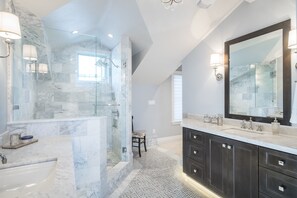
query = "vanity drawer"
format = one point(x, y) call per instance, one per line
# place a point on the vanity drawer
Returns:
point(277, 185)
point(278, 161)
point(194, 136)
point(194, 169)
point(195, 152)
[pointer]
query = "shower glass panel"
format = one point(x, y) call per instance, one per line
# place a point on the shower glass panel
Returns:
point(72, 76)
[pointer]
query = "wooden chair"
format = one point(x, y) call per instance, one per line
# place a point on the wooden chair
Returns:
point(138, 138)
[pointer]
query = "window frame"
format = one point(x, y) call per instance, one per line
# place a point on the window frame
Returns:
point(175, 121)
point(96, 56)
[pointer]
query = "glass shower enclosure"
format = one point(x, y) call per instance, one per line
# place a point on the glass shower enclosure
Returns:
point(68, 75)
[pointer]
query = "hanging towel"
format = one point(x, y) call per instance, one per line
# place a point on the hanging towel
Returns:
point(293, 119)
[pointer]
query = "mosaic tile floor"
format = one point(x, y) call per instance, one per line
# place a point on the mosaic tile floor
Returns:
point(156, 175)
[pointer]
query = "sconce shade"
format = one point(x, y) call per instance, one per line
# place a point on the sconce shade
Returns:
point(215, 60)
point(43, 68)
point(29, 52)
point(292, 40)
point(9, 26)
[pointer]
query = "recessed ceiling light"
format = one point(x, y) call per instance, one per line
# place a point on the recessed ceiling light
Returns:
point(110, 35)
point(75, 32)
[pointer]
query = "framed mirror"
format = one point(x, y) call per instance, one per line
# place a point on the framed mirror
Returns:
point(258, 75)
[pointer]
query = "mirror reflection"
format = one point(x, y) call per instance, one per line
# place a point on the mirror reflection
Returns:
point(256, 76)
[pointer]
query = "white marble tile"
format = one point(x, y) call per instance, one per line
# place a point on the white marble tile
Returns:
point(48, 149)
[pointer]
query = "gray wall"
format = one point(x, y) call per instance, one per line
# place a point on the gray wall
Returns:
point(3, 84)
point(156, 116)
point(201, 92)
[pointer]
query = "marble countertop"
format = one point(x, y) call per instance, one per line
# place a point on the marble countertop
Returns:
point(281, 142)
point(47, 149)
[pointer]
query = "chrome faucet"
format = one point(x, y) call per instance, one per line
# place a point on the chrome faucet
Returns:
point(3, 158)
point(250, 127)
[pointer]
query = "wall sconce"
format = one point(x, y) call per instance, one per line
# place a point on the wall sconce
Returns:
point(215, 62)
point(9, 29)
point(29, 53)
point(42, 68)
point(292, 44)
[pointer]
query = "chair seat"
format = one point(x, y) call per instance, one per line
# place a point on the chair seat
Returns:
point(138, 134)
point(139, 137)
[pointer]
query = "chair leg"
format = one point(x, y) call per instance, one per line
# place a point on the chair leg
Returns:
point(139, 150)
point(145, 144)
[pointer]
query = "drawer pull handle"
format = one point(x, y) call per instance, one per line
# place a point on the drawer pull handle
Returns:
point(195, 137)
point(229, 147)
point(281, 188)
point(195, 170)
point(195, 152)
point(224, 145)
point(281, 162)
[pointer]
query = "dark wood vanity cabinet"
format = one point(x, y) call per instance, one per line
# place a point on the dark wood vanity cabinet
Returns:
point(232, 167)
point(228, 167)
point(194, 154)
point(236, 169)
point(277, 174)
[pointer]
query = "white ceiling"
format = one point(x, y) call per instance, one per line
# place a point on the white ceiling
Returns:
point(175, 34)
point(166, 36)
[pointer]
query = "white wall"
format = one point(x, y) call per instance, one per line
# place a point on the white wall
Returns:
point(156, 116)
point(201, 92)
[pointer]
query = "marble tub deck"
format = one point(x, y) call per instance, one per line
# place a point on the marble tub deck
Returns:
point(47, 149)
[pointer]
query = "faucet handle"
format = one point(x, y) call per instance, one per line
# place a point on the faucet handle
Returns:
point(243, 124)
point(259, 127)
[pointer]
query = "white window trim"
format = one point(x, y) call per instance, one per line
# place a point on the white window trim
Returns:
point(96, 55)
point(173, 120)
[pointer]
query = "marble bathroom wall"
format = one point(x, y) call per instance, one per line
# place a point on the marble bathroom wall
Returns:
point(22, 92)
point(65, 96)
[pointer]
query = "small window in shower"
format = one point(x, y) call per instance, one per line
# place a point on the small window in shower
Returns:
point(88, 70)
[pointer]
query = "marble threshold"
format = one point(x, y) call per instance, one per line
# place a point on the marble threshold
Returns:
point(47, 149)
point(286, 142)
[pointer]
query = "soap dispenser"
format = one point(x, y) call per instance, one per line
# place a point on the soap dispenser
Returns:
point(275, 126)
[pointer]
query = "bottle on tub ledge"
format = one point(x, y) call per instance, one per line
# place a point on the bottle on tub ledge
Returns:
point(275, 126)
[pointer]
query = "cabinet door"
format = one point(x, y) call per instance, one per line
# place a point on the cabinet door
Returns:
point(217, 162)
point(245, 170)
point(232, 168)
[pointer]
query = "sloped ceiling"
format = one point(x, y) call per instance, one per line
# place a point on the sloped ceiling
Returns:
point(175, 34)
point(92, 17)
point(160, 38)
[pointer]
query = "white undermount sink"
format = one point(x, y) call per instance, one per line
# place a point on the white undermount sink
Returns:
point(240, 130)
point(22, 180)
